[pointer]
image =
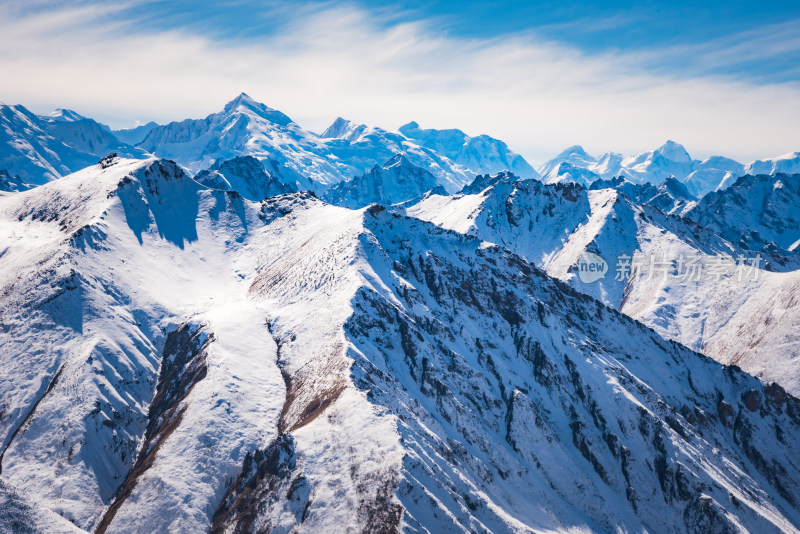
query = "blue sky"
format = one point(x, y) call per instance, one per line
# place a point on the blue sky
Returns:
point(721, 77)
point(678, 27)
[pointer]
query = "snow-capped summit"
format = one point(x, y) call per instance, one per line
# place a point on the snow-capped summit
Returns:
point(481, 154)
point(246, 104)
point(246, 127)
point(575, 155)
point(654, 166)
point(344, 129)
point(65, 115)
point(787, 164)
point(670, 159)
point(674, 152)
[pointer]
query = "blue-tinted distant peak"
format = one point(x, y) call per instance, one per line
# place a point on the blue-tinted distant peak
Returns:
point(246, 104)
point(574, 150)
point(674, 151)
point(65, 115)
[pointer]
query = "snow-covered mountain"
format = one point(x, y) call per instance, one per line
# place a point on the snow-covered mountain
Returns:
point(670, 196)
point(479, 155)
point(245, 175)
point(759, 212)
point(689, 285)
point(786, 164)
point(574, 156)
point(669, 160)
point(482, 181)
point(64, 115)
point(28, 151)
point(576, 165)
point(344, 129)
point(177, 358)
point(39, 149)
point(363, 147)
point(713, 174)
point(43, 148)
point(394, 182)
point(246, 127)
point(86, 135)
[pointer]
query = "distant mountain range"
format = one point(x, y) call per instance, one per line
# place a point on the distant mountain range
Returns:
point(39, 149)
point(669, 160)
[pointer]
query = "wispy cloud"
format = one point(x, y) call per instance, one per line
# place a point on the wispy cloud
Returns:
point(320, 61)
point(765, 53)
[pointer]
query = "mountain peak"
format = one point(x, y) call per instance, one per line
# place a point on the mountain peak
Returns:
point(337, 128)
point(674, 151)
point(411, 126)
point(574, 150)
point(65, 115)
point(245, 103)
point(243, 99)
point(344, 129)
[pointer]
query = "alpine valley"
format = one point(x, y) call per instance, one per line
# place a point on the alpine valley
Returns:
point(236, 325)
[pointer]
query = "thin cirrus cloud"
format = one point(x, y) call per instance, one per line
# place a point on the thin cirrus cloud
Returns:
point(323, 60)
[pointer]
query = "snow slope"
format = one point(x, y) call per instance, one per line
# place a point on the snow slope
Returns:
point(555, 225)
point(181, 359)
